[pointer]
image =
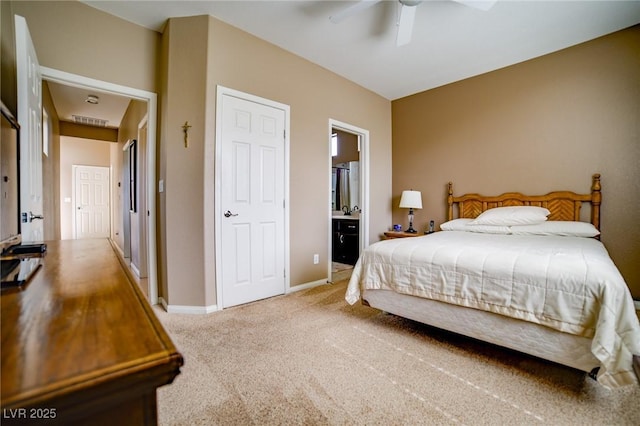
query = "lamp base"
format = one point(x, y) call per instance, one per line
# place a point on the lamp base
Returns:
point(410, 230)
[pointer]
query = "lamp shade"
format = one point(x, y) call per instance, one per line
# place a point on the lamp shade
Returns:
point(411, 200)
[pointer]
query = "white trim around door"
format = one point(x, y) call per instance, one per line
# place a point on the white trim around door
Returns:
point(151, 99)
point(363, 139)
point(217, 177)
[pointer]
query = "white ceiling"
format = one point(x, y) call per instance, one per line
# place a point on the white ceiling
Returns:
point(70, 101)
point(450, 41)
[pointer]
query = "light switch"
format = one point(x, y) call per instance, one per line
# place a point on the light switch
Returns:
point(161, 185)
point(67, 199)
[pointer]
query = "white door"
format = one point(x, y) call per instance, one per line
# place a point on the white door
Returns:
point(91, 201)
point(30, 119)
point(252, 201)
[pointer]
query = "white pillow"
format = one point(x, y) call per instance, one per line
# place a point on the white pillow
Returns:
point(508, 216)
point(558, 227)
point(463, 225)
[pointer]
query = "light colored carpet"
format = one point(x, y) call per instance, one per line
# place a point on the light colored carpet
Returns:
point(309, 358)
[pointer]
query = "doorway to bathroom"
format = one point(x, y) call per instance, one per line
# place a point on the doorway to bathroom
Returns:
point(349, 178)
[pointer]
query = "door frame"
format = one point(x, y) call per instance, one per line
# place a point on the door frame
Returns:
point(222, 91)
point(74, 187)
point(142, 175)
point(363, 139)
point(151, 98)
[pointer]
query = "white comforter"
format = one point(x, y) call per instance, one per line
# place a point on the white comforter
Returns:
point(566, 283)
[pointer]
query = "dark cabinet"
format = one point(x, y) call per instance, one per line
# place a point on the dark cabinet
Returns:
point(346, 240)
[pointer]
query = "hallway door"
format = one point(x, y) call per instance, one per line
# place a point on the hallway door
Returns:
point(91, 202)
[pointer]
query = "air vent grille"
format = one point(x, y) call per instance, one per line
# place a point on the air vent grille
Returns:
point(89, 121)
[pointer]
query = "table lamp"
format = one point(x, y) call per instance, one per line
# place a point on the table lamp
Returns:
point(411, 200)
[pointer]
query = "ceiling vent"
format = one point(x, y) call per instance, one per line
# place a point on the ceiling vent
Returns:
point(89, 121)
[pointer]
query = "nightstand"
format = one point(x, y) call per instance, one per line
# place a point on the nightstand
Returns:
point(395, 234)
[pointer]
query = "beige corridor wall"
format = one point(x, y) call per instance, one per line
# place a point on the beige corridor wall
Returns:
point(51, 169)
point(76, 152)
point(542, 125)
point(135, 113)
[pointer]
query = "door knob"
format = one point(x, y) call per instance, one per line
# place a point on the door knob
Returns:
point(229, 214)
point(28, 217)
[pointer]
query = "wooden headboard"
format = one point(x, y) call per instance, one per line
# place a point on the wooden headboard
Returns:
point(563, 205)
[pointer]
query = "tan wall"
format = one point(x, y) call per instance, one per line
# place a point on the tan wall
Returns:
point(88, 132)
point(161, 165)
point(245, 63)
point(51, 170)
point(542, 125)
point(8, 88)
point(128, 130)
point(182, 169)
point(83, 152)
point(347, 148)
point(240, 61)
point(73, 37)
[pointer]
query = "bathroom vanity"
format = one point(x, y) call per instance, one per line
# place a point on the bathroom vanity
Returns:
point(346, 239)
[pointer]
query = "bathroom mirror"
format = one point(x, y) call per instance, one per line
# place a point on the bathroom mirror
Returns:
point(345, 172)
point(345, 186)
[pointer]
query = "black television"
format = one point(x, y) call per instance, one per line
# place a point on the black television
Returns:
point(9, 181)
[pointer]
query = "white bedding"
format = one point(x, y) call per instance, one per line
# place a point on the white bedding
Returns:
point(567, 283)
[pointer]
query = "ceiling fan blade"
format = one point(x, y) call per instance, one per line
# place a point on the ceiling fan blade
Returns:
point(352, 10)
point(483, 5)
point(405, 24)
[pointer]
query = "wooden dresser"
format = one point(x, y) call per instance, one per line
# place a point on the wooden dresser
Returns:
point(80, 344)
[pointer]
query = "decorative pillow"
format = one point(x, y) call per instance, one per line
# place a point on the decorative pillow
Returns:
point(558, 227)
point(508, 216)
point(463, 225)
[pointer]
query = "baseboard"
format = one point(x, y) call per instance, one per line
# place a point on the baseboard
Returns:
point(636, 303)
point(307, 285)
point(163, 303)
point(185, 309)
point(116, 247)
point(202, 310)
point(135, 269)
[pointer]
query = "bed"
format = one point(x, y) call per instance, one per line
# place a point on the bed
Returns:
point(501, 274)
